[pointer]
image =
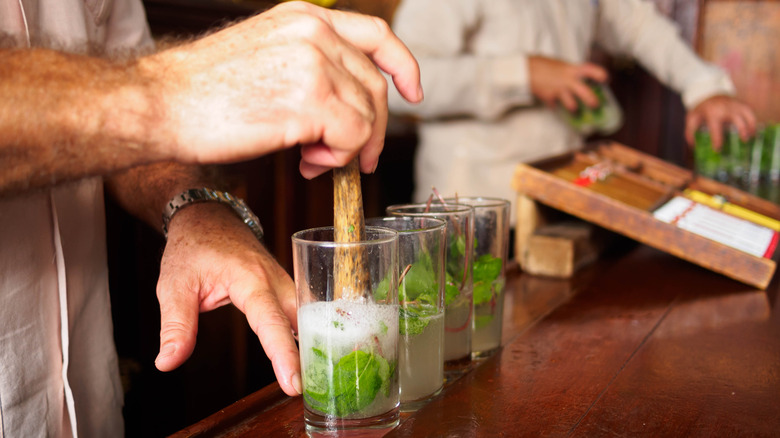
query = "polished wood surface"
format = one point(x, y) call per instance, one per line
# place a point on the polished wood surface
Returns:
point(639, 344)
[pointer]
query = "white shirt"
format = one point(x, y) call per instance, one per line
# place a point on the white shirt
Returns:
point(59, 373)
point(479, 118)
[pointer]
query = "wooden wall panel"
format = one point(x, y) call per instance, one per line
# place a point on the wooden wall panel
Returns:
point(742, 37)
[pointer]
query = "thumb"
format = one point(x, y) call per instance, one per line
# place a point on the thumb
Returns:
point(178, 328)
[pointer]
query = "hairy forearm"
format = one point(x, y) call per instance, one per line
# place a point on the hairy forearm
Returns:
point(144, 190)
point(65, 117)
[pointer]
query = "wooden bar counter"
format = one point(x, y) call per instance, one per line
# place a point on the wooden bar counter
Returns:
point(639, 344)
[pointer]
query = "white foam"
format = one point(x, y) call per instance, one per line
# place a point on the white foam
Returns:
point(346, 325)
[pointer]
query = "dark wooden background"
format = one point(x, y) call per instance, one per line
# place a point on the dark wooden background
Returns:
point(228, 362)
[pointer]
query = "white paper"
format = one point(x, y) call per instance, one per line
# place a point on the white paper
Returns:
point(716, 225)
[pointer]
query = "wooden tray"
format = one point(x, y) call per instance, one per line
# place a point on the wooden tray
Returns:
point(633, 186)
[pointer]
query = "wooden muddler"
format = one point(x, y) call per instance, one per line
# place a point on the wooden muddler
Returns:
point(351, 272)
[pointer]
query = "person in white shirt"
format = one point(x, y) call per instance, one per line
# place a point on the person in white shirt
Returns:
point(494, 72)
point(85, 101)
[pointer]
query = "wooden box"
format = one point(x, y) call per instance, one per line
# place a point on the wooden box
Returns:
point(631, 193)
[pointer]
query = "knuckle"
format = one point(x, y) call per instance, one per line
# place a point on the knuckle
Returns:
point(382, 27)
point(378, 84)
point(172, 328)
point(301, 7)
point(272, 320)
point(315, 27)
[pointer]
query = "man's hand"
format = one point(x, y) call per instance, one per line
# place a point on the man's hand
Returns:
point(212, 259)
point(297, 74)
point(716, 113)
point(554, 81)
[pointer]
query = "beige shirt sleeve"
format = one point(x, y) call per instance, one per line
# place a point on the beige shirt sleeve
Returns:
point(635, 28)
point(457, 81)
point(127, 26)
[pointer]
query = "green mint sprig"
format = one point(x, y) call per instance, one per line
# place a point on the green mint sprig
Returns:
point(348, 385)
point(454, 275)
point(418, 296)
point(487, 269)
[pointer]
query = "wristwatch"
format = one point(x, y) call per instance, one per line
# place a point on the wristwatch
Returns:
point(204, 194)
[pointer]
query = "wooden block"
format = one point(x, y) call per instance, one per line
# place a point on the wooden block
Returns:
point(529, 218)
point(559, 250)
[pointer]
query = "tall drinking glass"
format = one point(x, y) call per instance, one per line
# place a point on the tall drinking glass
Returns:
point(348, 340)
point(491, 249)
point(421, 299)
point(707, 161)
point(770, 164)
point(756, 150)
point(738, 160)
point(458, 302)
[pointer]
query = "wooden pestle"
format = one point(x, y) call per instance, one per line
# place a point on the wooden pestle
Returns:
point(351, 273)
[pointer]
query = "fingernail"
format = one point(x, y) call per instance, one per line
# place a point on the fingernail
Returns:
point(296, 383)
point(420, 95)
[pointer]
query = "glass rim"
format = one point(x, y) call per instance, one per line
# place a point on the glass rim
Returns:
point(385, 235)
point(436, 223)
point(485, 201)
point(398, 209)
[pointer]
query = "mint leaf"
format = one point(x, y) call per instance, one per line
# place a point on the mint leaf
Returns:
point(451, 290)
point(318, 393)
point(414, 318)
point(457, 252)
point(419, 283)
point(487, 269)
point(382, 289)
point(482, 321)
point(386, 370)
point(349, 386)
point(356, 381)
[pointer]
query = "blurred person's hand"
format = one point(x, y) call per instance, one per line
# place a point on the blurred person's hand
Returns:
point(717, 113)
point(557, 82)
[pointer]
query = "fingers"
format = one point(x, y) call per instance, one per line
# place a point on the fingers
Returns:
point(222, 263)
point(308, 169)
point(311, 154)
point(373, 36)
point(745, 120)
point(567, 99)
point(178, 328)
point(741, 125)
point(376, 87)
point(584, 72)
point(266, 295)
point(717, 113)
point(716, 131)
point(692, 123)
point(559, 82)
point(593, 71)
point(268, 317)
point(346, 39)
point(585, 94)
point(296, 74)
